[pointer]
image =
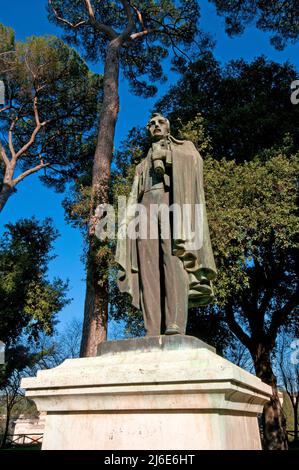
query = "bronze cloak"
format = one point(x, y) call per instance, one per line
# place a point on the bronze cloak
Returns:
point(187, 188)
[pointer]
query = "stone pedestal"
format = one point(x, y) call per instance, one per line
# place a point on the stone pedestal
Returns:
point(164, 392)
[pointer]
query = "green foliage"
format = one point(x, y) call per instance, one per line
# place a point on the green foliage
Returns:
point(17, 358)
point(279, 17)
point(246, 106)
point(171, 25)
point(253, 224)
point(24, 361)
point(29, 302)
point(24, 407)
point(195, 131)
point(45, 71)
point(289, 413)
point(7, 40)
point(20, 361)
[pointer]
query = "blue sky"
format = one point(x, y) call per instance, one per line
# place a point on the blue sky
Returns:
point(28, 17)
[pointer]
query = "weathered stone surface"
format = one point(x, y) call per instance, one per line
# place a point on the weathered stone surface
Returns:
point(152, 343)
point(154, 397)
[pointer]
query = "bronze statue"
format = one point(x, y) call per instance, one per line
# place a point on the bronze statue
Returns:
point(162, 270)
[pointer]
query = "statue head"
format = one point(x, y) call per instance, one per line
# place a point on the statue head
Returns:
point(158, 126)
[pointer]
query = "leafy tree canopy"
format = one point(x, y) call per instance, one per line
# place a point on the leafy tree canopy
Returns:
point(52, 105)
point(279, 17)
point(29, 302)
point(151, 30)
point(246, 106)
point(7, 41)
point(253, 219)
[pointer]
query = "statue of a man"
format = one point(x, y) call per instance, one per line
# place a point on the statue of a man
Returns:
point(169, 265)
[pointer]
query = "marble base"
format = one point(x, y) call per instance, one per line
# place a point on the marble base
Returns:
point(165, 392)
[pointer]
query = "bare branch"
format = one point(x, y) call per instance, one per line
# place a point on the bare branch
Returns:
point(9, 106)
point(131, 22)
point(235, 327)
point(28, 67)
point(175, 47)
point(100, 27)
point(30, 172)
point(140, 17)
point(4, 155)
point(63, 20)
point(90, 10)
point(141, 34)
point(58, 118)
point(145, 31)
point(41, 87)
point(6, 108)
point(36, 115)
point(103, 28)
point(39, 125)
point(10, 141)
point(280, 315)
point(6, 53)
point(29, 143)
point(64, 173)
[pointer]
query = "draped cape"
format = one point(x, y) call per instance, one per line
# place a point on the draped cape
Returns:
point(187, 191)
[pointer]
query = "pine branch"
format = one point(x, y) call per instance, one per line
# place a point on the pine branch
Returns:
point(30, 172)
point(64, 21)
point(235, 327)
point(279, 316)
point(4, 155)
point(99, 26)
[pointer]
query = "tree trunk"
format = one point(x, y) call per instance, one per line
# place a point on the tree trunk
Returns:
point(5, 193)
point(95, 309)
point(295, 408)
point(96, 298)
point(274, 422)
point(7, 419)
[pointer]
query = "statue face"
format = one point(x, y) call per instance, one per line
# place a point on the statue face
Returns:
point(158, 127)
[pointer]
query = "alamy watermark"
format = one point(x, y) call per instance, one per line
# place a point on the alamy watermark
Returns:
point(137, 221)
point(2, 92)
point(2, 352)
point(295, 354)
point(295, 94)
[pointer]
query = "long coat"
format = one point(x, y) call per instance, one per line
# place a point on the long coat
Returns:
point(187, 188)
